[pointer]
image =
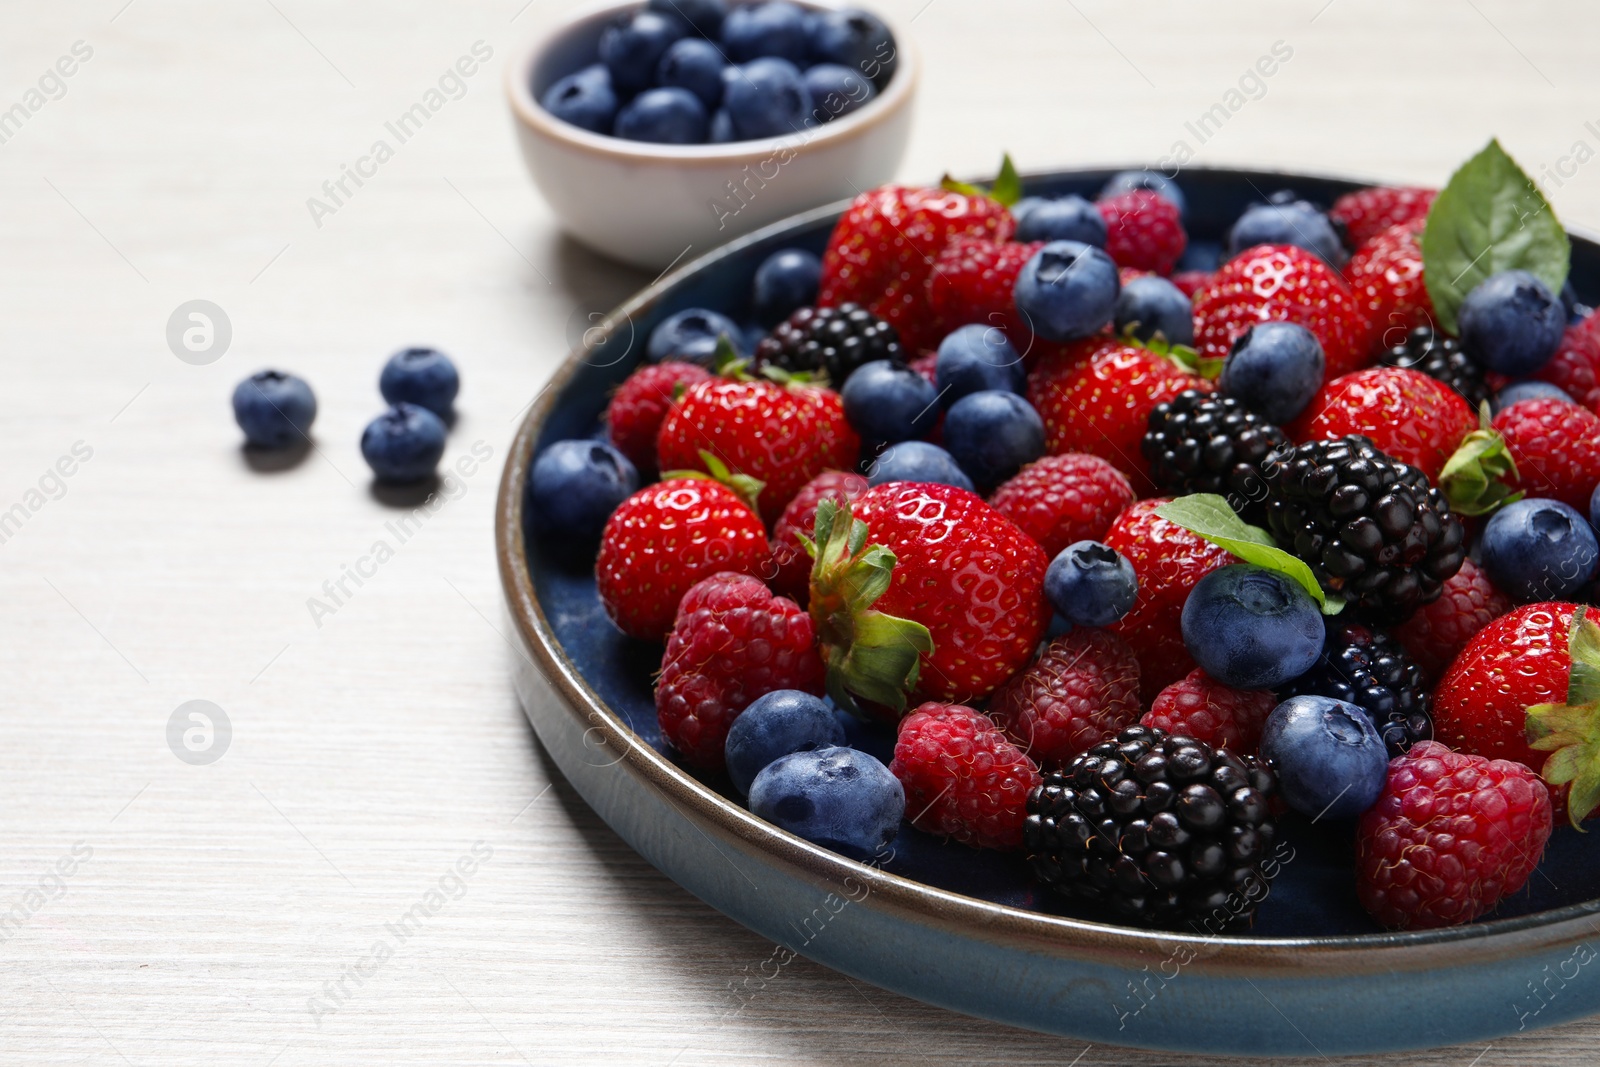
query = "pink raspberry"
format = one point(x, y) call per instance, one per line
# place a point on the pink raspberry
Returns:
point(1203, 708)
point(1144, 231)
point(962, 778)
point(1436, 633)
point(1081, 691)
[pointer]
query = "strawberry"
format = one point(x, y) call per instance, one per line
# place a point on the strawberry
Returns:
point(666, 537)
point(971, 281)
point(1271, 282)
point(783, 435)
point(732, 641)
point(1366, 213)
point(1102, 405)
point(1436, 633)
point(1575, 367)
point(1192, 281)
point(791, 561)
point(962, 778)
point(1168, 561)
point(1414, 418)
point(1081, 691)
point(1556, 447)
point(1061, 499)
point(881, 252)
point(1385, 274)
point(1201, 707)
point(925, 589)
point(1144, 231)
point(641, 402)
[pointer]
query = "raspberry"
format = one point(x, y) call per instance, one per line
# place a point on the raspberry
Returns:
point(1366, 213)
point(640, 404)
point(792, 574)
point(1386, 276)
point(1061, 499)
point(1437, 632)
point(962, 778)
point(1575, 367)
point(1450, 836)
point(1201, 707)
point(971, 282)
point(1081, 691)
point(733, 641)
point(1556, 446)
point(1144, 231)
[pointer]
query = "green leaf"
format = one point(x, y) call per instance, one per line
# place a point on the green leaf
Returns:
point(1208, 515)
point(1583, 682)
point(1007, 188)
point(747, 488)
point(1183, 356)
point(1488, 218)
point(1474, 479)
point(726, 362)
point(1570, 732)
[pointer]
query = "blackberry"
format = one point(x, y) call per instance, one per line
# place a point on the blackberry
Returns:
point(835, 340)
point(1370, 527)
point(1441, 358)
point(1370, 669)
point(1203, 443)
point(1156, 828)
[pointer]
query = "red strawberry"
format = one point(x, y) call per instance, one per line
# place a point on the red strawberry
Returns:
point(1271, 282)
point(1386, 276)
point(882, 251)
point(732, 642)
point(641, 402)
point(1082, 690)
point(1102, 405)
point(1366, 213)
point(1436, 633)
point(962, 778)
point(1143, 230)
point(1575, 367)
point(663, 539)
point(1192, 281)
point(1201, 707)
point(971, 281)
point(1168, 561)
point(1414, 418)
point(792, 563)
point(1556, 447)
point(926, 589)
point(1061, 499)
point(782, 435)
point(1450, 836)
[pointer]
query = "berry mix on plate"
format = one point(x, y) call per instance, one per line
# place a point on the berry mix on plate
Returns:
point(707, 71)
point(1133, 576)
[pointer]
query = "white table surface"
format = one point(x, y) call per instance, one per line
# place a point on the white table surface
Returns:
point(371, 752)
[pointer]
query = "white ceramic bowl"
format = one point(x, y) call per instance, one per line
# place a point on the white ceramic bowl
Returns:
point(651, 204)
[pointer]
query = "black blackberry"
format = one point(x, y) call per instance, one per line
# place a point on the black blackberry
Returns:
point(835, 340)
point(1163, 830)
point(1203, 443)
point(1370, 527)
point(1440, 357)
point(1370, 669)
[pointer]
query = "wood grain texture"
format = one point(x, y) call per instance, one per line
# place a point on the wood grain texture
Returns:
point(371, 752)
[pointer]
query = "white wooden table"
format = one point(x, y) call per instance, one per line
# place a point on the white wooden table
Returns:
point(229, 913)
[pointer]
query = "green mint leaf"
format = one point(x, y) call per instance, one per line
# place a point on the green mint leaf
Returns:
point(1208, 515)
point(1488, 218)
point(1583, 682)
point(1007, 188)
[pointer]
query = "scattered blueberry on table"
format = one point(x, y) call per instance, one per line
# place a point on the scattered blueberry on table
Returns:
point(403, 444)
point(425, 377)
point(274, 409)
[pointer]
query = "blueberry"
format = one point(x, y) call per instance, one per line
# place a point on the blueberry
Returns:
point(274, 409)
point(853, 38)
point(836, 90)
point(1091, 584)
point(1154, 305)
point(1274, 369)
point(722, 127)
point(584, 99)
point(974, 358)
point(1200, 255)
point(403, 444)
point(775, 28)
point(1126, 181)
point(765, 97)
point(1594, 508)
point(1071, 218)
point(574, 487)
point(888, 402)
point(918, 461)
point(1026, 206)
point(664, 116)
point(1251, 628)
point(696, 65)
point(632, 49)
point(1576, 310)
point(691, 335)
point(1539, 550)
point(1526, 391)
point(421, 376)
point(775, 725)
point(1330, 760)
point(992, 434)
point(1067, 290)
point(1295, 222)
point(704, 15)
point(838, 798)
point(1511, 323)
point(785, 281)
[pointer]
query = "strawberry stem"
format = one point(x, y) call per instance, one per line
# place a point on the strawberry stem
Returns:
point(748, 489)
point(1474, 479)
point(1570, 732)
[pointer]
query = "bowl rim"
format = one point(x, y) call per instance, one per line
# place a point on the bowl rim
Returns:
point(866, 119)
point(956, 915)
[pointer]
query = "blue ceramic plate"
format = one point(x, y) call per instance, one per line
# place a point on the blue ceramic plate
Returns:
point(973, 931)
